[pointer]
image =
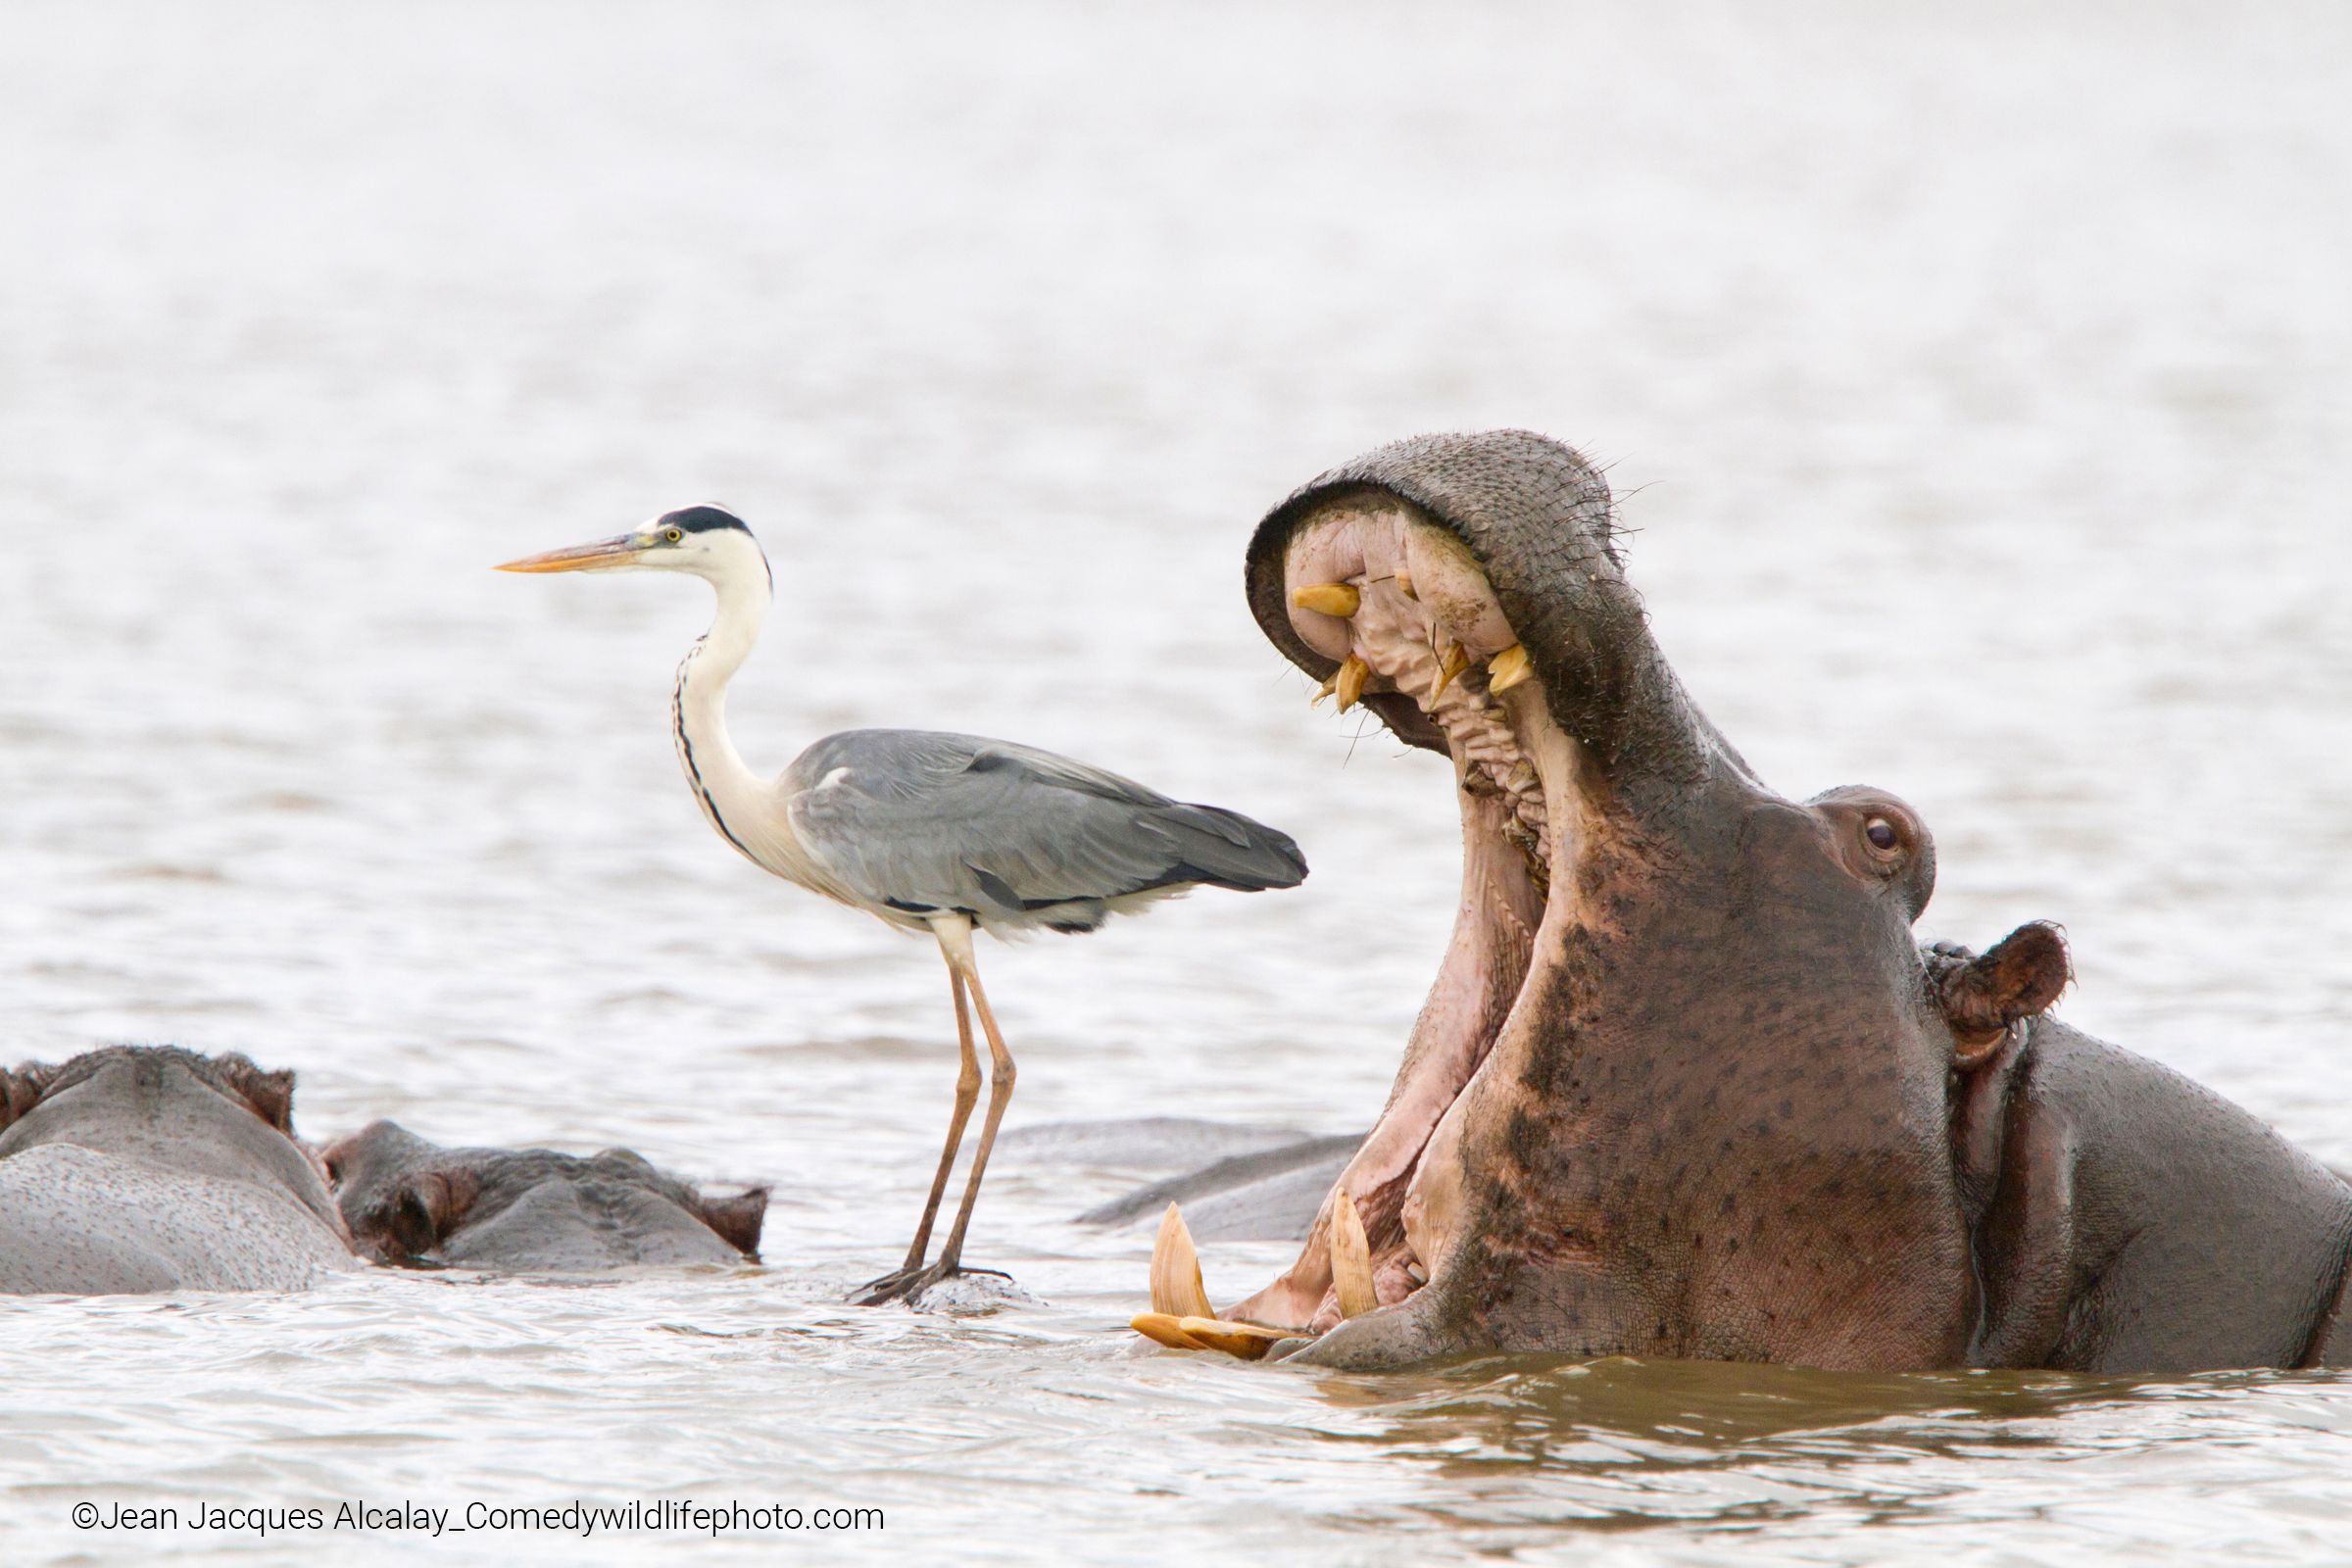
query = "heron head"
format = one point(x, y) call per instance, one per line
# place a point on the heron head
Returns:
point(706, 541)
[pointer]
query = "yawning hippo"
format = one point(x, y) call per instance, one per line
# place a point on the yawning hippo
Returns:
point(1686, 1085)
point(152, 1168)
point(529, 1210)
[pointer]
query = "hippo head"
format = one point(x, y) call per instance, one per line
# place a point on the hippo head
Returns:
point(412, 1202)
point(268, 1095)
point(1686, 1084)
point(173, 1108)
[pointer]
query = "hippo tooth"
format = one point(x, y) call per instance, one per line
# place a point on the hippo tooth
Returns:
point(1327, 688)
point(1350, 1257)
point(1161, 1328)
point(1405, 583)
point(1176, 1286)
point(1349, 681)
point(1415, 1272)
point(1336, 599)
point(1507, 668)
point(1457, 660)
point(1248, 1340)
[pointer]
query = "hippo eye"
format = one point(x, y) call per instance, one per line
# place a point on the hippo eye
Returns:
point(1881, 833)
point(673, 535)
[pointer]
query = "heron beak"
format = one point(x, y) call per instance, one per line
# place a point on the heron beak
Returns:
point(602, 555)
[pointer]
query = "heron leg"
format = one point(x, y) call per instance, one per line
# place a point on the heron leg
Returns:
point(1000, 1077)
point(954, 935)
point(967, 1093)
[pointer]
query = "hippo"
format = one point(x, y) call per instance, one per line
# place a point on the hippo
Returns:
point(1686, 1084)
point(1263, 1192)
point(529, 1210)
point(143, 1169)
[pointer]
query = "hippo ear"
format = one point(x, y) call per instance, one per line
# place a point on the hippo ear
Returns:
point(426, 1208)
point(269, 1094)
point(1981, 996)
point(411, 1225)
point(22, 1090)
point(738, 1219)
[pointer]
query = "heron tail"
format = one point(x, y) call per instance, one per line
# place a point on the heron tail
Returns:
point(1227, 849)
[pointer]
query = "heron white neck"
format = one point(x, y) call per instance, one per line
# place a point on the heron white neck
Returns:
point(730, 793)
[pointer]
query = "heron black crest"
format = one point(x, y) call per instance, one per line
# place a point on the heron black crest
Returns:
point(702, 519)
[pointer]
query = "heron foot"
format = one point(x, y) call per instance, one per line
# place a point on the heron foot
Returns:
point(908, 1284)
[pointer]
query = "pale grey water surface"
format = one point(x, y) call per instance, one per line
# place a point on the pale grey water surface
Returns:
point(1979, 384)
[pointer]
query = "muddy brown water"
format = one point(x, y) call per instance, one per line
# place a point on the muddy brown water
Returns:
point(1978, 387)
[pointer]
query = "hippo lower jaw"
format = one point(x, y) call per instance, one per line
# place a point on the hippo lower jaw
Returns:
point(1426, 644)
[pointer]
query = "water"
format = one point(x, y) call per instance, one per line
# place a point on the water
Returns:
point(1977, 384)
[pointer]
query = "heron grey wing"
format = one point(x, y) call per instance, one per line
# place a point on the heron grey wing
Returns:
point(920, 820)
point(1114, 831)
point(1051, 768)
point(1208, 843)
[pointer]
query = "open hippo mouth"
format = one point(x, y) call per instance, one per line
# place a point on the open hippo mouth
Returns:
point(1686, 1084)
point(1410, 582)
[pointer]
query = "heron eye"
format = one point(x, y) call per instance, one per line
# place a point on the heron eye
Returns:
point(673, 535)
point(1881, 833)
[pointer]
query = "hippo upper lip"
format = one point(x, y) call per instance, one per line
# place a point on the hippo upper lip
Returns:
point(1538, 521)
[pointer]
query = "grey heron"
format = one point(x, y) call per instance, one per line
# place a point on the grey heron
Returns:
point(925, 830)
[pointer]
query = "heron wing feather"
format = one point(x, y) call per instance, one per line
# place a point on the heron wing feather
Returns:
point(923, 820)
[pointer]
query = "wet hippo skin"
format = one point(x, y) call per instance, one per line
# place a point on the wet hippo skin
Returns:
point(1686, 1084)
point(1261, 1194)
point(530, 1210)
point(141, 1168)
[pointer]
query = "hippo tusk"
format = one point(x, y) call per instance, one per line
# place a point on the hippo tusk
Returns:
point(1337, 600)
point(1325, 690)
point(1350, 1257)
point(1405, 583)
point(1507, 668)
point(1351, 681)
point(1244, 1341)
point(1181, 1317)
point(1457, 660)
point(1248, 1340)
point(1161, 1328)
point(1177, 1290)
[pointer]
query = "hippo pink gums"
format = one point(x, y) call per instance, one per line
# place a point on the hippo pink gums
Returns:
point(1687, 1085)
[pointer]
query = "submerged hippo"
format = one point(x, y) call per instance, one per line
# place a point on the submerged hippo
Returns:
point(152, 1168)
point(1267, 1188)
point(529, 1210)
point(1686, 1085)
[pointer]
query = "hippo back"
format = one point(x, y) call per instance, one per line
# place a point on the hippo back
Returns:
point(76, 1221)
point(611, 1212)
point(2138, 1222)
